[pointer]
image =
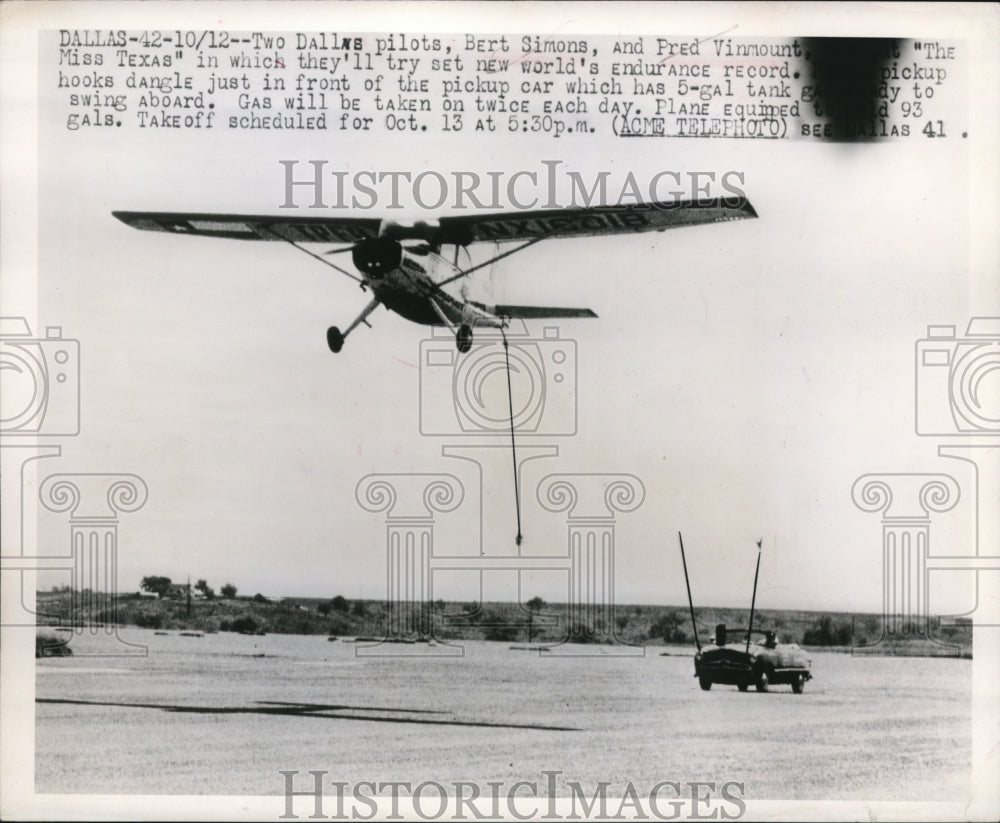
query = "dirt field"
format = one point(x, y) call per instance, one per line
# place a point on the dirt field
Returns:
point(222, 714)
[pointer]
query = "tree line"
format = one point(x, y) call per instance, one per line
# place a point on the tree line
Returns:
point(669, 626)
point(165, 587)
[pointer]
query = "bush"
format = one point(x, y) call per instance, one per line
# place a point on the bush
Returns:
point(582, 633)
point(504, 633)
point(106, 617)
point(498, 631)
point(340, 625)
point(340, 603)
point(825, 633)
point(244, 625)
point(668, 627)
point(149, 621)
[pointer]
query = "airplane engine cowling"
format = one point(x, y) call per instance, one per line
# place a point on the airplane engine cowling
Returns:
point(375, 256)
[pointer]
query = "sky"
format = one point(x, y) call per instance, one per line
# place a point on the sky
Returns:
point(747, 373)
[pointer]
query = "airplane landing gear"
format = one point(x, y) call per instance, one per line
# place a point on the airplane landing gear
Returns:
point(334, 339)
point(463, 340)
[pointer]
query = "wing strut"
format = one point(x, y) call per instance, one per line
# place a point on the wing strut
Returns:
point(493, 260)
point(440, 313)
point(513, 447)
point(321, 259)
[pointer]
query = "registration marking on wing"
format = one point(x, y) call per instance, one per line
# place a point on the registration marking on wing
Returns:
point(219, 226)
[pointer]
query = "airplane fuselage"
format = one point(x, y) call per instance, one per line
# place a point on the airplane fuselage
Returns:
point(409, 290)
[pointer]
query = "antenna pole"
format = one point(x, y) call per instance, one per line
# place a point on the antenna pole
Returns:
point(687, 583)
point(753, 599)
point(513, 445)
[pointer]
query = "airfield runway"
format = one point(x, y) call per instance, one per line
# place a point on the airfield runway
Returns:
point(222, 714)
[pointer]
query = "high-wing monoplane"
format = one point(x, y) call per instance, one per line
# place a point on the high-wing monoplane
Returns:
point(406, 266)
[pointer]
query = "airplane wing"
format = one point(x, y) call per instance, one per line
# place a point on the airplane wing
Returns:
point(588, 222)
point(255, 227)
point(539, 312)
point(461, 230)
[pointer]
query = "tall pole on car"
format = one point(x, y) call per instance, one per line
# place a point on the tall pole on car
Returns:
point(753, 600)
point(687, 583)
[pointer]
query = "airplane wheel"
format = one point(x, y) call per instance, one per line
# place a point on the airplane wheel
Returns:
point(705, 683)
point(334, 339)
point(464, 338)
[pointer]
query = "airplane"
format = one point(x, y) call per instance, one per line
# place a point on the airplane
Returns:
point(410, 279)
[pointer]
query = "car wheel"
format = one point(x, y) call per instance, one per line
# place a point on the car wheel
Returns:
point(763, 681)
point(743, 686)
point(705, 683)
point(799, 683)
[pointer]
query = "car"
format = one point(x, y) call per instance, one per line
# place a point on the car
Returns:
point(763, 662)
point(49, 644)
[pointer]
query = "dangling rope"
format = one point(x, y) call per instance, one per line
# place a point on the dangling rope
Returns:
point(513, 446)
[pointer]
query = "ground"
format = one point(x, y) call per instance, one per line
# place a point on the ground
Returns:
point(224, 713)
